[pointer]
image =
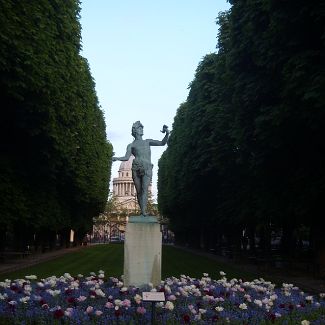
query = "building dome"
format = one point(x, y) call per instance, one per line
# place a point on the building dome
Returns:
point(123, 186)
point(124, 191)
point(126, 165)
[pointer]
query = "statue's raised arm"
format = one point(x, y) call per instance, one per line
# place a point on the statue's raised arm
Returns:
point(163, 141)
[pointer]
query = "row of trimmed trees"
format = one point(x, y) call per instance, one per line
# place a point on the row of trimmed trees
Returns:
point(55, 160)
point(247, 147)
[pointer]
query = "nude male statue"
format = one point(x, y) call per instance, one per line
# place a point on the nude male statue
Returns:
point(142, 166)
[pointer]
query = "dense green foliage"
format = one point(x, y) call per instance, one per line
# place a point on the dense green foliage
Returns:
point(247, 147)
point(55, 159)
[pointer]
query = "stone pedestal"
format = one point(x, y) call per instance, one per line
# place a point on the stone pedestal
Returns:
point(142, 251)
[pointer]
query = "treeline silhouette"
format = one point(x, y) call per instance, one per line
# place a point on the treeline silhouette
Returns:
point(55, 159)
point(245, 164)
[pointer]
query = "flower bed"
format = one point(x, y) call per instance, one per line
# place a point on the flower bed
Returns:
point(99, 300)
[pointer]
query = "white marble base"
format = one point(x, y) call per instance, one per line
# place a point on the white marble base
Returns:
point(142, 251)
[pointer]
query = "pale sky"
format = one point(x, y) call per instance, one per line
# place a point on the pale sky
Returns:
point(143, 55)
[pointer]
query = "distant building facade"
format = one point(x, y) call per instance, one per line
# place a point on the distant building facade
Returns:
point(124, 191)
point(111, 226)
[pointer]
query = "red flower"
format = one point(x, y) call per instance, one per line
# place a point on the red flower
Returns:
point(215, 318)
point(14, 288)
point(186, 318)
point(117, 313)
point(58, 313)
point(272, 317)
point(42, 302)
point(71, 300)
point(208, 292)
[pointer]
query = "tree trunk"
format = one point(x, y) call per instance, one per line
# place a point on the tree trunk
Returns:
point(251, 238)
point(287, 245)
point(319, 250)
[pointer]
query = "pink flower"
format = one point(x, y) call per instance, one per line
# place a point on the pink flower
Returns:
point(81, 298)
point(126, 303)
point(172, 298)
point(98, 312)
point(68, 312)
point(89, 309)
point(141, 310)
point(109, 305)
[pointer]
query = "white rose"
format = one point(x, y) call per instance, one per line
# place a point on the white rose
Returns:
point(169, 305)
point(305, 322)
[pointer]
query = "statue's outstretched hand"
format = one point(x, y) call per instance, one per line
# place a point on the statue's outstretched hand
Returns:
point(165, 129)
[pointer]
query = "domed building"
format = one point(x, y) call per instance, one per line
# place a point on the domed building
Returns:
point(123, 184)
point(124, 190)
point(111, 226)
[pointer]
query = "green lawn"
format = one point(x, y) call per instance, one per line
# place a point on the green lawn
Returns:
point(110, 259)
point(176, 261)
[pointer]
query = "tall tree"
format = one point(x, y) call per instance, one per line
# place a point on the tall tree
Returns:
point(252, 126)
point(55, 159)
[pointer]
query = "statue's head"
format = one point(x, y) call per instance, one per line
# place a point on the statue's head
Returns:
point(135, 127)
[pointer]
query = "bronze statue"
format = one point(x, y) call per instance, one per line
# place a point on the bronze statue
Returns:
point(142, 166)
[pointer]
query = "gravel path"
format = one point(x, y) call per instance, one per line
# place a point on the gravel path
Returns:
point(11, 265)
